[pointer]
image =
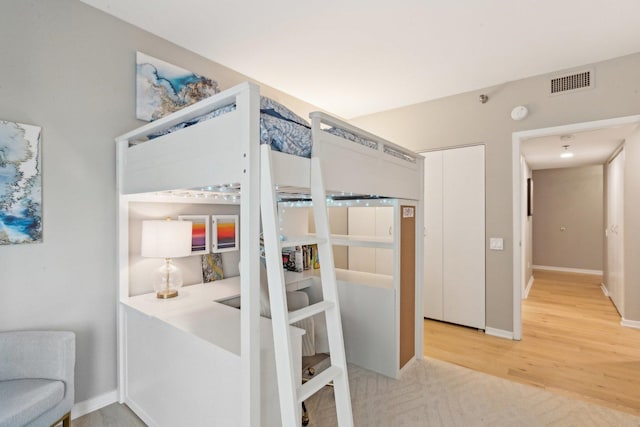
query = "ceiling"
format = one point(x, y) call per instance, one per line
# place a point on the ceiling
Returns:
point(356, 57)
point(589, 148)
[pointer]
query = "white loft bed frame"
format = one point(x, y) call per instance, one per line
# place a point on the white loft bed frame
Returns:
point(225, 150)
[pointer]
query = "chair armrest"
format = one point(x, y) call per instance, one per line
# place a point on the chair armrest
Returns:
point(38, 354)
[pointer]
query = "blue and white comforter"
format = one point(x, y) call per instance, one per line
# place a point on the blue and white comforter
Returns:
point(281, 128)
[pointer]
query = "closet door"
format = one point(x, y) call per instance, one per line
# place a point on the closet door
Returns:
point(384, 228)
point(463, 212)
point(432, 290)
point(615, 231)
point(362, 222)
point(371, 221)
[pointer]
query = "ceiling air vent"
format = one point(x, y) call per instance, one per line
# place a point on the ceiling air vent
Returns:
point(572, 82)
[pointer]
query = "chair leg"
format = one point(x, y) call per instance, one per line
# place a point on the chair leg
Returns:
point(65, 420)
point(305, 415)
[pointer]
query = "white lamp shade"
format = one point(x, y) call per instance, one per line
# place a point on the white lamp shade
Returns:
point(166, 239)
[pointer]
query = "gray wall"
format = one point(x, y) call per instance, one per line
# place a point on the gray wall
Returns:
point(71, 69)
point(569, 198)
point(462, 119)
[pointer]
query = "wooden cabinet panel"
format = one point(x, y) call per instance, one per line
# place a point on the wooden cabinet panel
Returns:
point(407, 283)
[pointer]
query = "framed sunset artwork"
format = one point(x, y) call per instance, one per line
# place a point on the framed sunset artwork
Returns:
point(199, 233)
point(224, 233)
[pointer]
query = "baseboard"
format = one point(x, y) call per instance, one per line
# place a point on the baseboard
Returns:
point(528, 288)
point(499, 333)
point(630, 323)
point(605, 291)
point(93, 404)
point(567, 269)
point(140, 413)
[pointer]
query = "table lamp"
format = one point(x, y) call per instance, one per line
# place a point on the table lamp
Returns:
point(166, 239)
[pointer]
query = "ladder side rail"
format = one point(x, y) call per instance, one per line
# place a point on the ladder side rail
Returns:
point(287, 389)
point(330, 294)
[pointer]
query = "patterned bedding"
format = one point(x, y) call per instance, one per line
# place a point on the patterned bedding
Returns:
point(280, 127)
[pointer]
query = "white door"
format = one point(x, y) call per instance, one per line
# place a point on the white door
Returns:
point(463, 194)
point(615, 232)
point(432, 290)
point(371, 221)
point(362, 222)
point(384, 228)
point(454, 246)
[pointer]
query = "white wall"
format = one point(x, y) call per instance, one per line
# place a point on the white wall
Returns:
point(527, 226)
point(71, 69)
point(632, 227)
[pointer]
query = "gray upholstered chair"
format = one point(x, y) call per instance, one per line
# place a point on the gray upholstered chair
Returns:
point(36, 378)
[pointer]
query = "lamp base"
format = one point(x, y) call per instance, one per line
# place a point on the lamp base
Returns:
point(167, 293)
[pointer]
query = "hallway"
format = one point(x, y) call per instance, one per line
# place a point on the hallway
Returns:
point(572, 344)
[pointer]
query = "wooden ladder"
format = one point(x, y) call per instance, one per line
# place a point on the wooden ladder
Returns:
point(291, 394)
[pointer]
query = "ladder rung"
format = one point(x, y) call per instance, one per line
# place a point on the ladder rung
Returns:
point(317, 382)
point(300, 241)
point(310, 310)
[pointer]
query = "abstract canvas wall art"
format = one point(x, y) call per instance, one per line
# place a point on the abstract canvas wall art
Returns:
point(20, 184)
point(163, 88)
point(212, 268)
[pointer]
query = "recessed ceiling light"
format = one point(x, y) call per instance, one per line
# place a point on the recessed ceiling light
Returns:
point(566, 154)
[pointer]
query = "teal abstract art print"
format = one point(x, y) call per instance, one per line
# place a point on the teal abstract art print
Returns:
point(20, 184)
point(163, 88)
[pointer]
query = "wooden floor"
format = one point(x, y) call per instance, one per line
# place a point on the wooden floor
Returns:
point(114, 415)
point(572, 344)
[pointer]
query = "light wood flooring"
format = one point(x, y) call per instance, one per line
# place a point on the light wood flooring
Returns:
point(114, 415)
point(572, 344)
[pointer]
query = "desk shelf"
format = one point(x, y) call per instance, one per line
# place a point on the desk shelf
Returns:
point(362, 241)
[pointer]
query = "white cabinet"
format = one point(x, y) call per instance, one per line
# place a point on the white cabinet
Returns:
point(454, 255)
point(374, 222)
point(615, 231)
point(377, 291)
point(186, 351)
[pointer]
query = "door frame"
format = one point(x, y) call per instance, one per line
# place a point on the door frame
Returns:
point(516, 140)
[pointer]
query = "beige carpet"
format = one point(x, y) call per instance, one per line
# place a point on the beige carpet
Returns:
point(435, 393)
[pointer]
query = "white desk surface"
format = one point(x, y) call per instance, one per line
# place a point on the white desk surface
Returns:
point(197, 310)
point(302, 280)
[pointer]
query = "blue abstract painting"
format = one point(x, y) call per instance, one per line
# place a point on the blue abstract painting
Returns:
point(20, 184)
point(162, 88)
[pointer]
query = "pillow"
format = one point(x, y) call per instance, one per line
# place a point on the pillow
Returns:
point(275, 109)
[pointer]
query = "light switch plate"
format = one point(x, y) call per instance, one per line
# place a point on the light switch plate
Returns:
point(496, 243)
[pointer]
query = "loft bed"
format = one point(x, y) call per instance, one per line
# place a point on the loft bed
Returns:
point(212, 147)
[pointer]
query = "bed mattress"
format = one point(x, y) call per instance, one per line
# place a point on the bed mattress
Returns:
point(280, 127)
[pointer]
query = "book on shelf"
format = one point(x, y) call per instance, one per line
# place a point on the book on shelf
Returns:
point(300, 258)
